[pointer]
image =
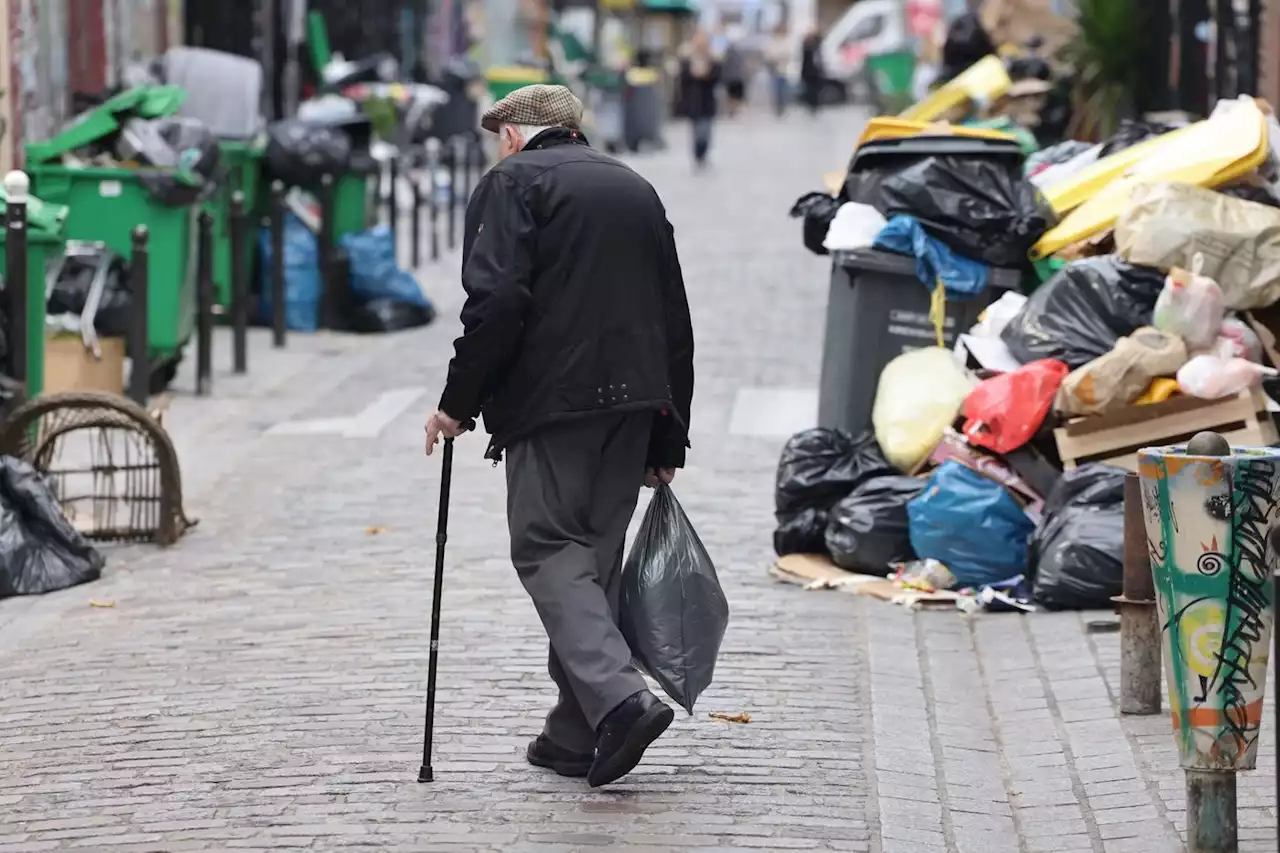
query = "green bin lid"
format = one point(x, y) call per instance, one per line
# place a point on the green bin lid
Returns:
point(142, 101)
point(46, 222)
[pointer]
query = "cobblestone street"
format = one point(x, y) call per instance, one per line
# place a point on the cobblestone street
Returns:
point(260, 685)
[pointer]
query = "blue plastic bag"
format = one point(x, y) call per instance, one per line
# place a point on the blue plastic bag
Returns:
point(301, 276)
point(971, 524)
point(935, 260)
point(374, 272)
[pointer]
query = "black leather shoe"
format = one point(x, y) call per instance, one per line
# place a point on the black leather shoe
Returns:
point(625, 734)
point(544, 753)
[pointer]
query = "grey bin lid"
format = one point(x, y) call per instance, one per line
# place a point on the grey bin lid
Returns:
point(888, 263)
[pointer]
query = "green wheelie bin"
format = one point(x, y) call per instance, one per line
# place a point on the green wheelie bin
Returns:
point(46, 245)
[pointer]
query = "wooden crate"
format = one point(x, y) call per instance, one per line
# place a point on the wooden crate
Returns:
point(1116, 438)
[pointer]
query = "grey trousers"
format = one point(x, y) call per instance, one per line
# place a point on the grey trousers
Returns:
point(571, 490)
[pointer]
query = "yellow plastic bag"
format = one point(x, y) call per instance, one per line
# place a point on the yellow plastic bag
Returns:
point(919, 396)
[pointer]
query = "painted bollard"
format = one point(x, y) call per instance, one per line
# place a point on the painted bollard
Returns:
point(1211, 514)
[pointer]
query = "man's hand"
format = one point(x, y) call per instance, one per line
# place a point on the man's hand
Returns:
point(441, 424)
point(654, 476)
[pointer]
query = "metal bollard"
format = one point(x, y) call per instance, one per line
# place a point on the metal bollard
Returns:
point(1139, 621)
point(433, 199)
point(451, 151)
point(204, 307)
point(467, 161)
point(1210, 514)
point(139, 330)
point(415, 219)
point(393, 204)
point(324, 251)
point(239, 284)
point(279, 326)
point(17, 187)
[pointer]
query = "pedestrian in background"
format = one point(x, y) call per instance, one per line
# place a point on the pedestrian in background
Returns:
point(812, 73)
point(734, 69)
point(577, 349)
point(778, 62)
point(700, 77)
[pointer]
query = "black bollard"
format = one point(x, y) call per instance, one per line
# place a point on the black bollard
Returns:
point(415, 218)
point(17, 186)
point(451, 151)
point(393, 204)
point(433, 164)
point(278, 325)
point(204, 306)
point(239, 284)
point(324, 246)
point(139, 281)
point(467, 160)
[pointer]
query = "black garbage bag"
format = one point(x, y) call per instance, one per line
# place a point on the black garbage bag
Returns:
point(818, 210)
point(1258, 194)
point(818, 468)
point(182, 154)
point(82, 265)
point(39, 549)
point(672, 610)
point(967, 42)
point(984, 210)
point(1130, 133)
point(1080, 313)
point(1055, 155)
point(389, 315)
point(299, 153)
point(868, 530)
point(1077, 553)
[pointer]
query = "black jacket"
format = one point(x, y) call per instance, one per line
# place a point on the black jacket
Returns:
point(575, 301)
point(698, 94)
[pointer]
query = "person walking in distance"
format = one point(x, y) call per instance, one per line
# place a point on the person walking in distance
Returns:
point(778, 61)
point(812, 74)
point(700, 75)
point(577, 348)
point(734, 69)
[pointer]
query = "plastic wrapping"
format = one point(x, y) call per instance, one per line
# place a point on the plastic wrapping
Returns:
point(374, 271)
point(1080, 313)
point(299, 153)
point(918, 397)
point(801, 532)
point(673, 612)
point(935, 262)
point(1055, 155)
point(71, 290)
point(818, 210)
point(971, 525)
point(1130, 133)
point(984, 210)
point(966, 43)
point(387, 315)
point(1005, 411)
point(184, 153)
point(1211, 377)
point(1119, 378)
point(855, 226)
point(868, 531)
point(1237, 340)
point(301, 275)
point(1078, 551)
point(1190, 306)
point(39, 549)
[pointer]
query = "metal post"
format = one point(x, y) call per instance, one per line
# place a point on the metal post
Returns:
point(451, 151)
point(433, 199)
point(139, 282)
point(415, 218)
point(204, 307)
point(468, 144)
point(278, 324)
point(17, 187)
point(324, 246)
point(1139, 621)
point(239, 284)
point(393, 218)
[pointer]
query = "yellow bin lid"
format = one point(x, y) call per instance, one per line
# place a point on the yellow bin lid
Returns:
point(985, 80)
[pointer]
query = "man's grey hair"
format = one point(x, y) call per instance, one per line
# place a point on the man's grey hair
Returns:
point(526, 131)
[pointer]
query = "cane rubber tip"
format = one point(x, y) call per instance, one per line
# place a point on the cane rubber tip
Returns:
point(1208, 444)
point(425, 774)
point(17, 186)
point(140, 234)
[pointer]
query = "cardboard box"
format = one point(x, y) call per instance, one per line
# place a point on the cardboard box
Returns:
point(69, 366)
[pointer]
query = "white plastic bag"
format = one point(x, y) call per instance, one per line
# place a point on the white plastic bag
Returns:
point(1190, 306)
point(855, 226)
point(1211, 377)
point(998, 314)
point(1237, 340)
point(919, 395)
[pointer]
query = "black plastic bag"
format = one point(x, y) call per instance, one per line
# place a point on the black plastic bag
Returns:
point(868, 530)
point(1130, 133)
point(75, 281)
point(183, 152)
point(967, 42)
point(1077, 553)
point(1080, 313)
point(389, 315)
point(803, 532)
point(818, 210)
point(299, 153)
point(984, 210)
point(39, 549)
point(820, 466)
point(673, 612)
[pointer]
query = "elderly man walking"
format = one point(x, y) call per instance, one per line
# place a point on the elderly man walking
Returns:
point(578, 351)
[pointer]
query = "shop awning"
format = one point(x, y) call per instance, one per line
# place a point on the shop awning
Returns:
point(670, 7)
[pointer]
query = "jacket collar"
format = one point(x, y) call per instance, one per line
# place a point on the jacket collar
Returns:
point(555, 136)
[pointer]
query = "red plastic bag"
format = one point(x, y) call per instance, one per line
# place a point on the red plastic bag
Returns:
point(1003, 412)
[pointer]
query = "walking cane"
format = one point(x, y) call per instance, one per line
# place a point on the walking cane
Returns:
point(425, 773)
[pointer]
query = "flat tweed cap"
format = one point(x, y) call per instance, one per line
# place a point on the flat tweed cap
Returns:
point(540, 105)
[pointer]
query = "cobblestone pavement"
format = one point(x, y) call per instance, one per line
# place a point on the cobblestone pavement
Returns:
point(260, 685)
